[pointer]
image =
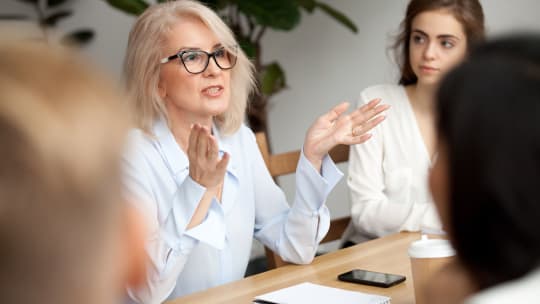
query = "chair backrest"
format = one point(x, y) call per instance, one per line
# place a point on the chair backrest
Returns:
point(285, 163)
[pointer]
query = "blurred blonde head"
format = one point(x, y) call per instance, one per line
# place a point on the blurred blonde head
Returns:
point(62, 131)
point(144, 52)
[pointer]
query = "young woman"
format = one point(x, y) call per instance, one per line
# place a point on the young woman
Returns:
point(387, 175)
point(195, 169)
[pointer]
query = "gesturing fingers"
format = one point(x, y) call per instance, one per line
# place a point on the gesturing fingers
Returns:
point(192, 142)
point(205, 166)
point(360, 139)
point(213, 149)
point(202, 143)
point(359, 130)
point(336, 111)
point(368, 111)
point(223, 162)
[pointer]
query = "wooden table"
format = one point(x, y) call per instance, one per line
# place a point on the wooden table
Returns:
point(387, 254)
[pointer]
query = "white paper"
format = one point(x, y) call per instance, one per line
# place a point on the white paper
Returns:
point(318, 294)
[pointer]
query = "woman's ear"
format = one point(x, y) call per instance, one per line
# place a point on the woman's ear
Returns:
point(134, 250)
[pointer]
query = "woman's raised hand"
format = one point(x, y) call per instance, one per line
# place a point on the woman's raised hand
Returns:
point(205, 166)
point(336, 127)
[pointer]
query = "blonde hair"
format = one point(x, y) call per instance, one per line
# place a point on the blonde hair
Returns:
point(61, 132)
point(142, 63)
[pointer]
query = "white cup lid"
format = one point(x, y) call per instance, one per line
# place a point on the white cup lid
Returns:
point(430, 248)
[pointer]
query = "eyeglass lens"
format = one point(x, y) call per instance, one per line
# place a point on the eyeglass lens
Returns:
point(196, 61)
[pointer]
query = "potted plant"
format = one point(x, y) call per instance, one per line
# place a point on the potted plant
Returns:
point(47, 14)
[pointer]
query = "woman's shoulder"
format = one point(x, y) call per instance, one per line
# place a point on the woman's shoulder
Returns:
point(520, 290)
point(389, 93)
point(138, 138)
point(240, 138)
point(139, 144)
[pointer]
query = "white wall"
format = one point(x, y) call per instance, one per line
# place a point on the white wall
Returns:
point(324, 62)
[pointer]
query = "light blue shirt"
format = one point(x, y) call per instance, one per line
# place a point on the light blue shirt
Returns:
point(217, 251)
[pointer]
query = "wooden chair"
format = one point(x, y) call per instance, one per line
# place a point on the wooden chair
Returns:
point(285, 163)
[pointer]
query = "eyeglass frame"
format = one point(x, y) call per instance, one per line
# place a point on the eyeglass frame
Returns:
point(208, 56)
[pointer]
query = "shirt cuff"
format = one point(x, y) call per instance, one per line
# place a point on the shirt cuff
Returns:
point(313, 187)
point(182, 248)
point(212, 231)
point(324, 223)
point(186, 201)
point(330, 172)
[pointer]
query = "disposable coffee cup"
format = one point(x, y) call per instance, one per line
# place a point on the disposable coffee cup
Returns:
point(428, 256)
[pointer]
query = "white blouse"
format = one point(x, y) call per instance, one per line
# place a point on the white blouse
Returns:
point(217, 251)
point(388, 174)
point(522, 290)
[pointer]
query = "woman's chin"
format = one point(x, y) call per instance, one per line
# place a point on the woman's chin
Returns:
point(216, 111)
point(216, 106)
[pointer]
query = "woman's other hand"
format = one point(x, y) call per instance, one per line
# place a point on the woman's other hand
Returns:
point(335, 127)
point(205, 166)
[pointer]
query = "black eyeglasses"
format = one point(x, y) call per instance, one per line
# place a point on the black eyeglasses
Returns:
point(196, 61)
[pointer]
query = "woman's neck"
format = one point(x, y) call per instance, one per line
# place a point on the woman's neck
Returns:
point(422, 97)
point(181, 127)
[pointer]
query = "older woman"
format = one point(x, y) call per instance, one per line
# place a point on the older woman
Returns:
point(195, 169)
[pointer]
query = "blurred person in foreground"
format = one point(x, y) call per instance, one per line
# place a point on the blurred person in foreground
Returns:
point(195, 169)
point(485, 182)
point(66, 234)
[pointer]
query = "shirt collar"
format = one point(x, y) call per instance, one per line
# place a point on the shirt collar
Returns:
point(225, 145)
point(175, 157)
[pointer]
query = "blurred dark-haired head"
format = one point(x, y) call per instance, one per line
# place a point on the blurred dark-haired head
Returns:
point(488, 123)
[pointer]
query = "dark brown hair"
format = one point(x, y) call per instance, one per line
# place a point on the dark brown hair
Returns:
point(468, 12)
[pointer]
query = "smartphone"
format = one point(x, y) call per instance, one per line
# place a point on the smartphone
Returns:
point(372, 278)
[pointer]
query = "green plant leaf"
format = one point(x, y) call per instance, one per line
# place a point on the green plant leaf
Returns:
point(276, 14)
point(50, 3)
point(248, 47)
point(79, 37)
point(215, 4)
point(133, 7)
point(272, 79)
point(55, 17)
point(308, 5)
point(29, 1)
point(54, 3)
point(338, 16)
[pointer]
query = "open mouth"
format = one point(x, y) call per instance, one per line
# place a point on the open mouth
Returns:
point(213, 91)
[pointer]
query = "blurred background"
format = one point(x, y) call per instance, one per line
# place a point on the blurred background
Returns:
point(324, 62)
